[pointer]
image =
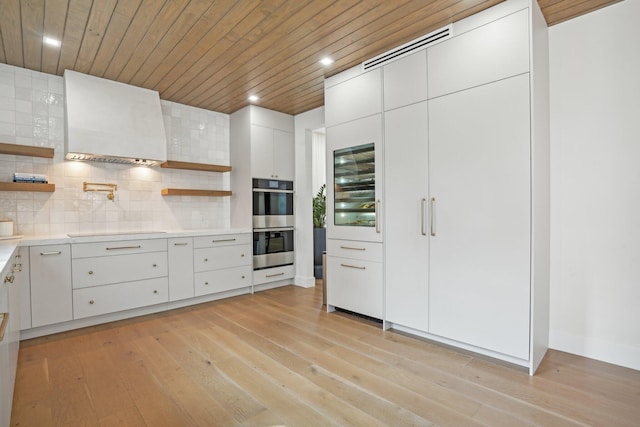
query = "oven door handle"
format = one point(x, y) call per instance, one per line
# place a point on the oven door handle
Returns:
point(271, 190)
point(262, 230)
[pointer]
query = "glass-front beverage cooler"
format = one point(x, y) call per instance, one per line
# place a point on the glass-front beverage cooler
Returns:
point(354, 166)
point(354, 172)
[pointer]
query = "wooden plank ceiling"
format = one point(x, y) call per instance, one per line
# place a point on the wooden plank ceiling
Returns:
point(214, 53)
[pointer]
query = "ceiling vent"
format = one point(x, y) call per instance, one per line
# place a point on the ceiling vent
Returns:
point(408, 48)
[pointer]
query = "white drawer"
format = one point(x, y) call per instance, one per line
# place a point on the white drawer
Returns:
point(224, 257)
point(355, 285)
point(121, 247)
point(222, 240)
point(120, 268)
point(353, 249)
point(226, 279)
point(98, 300)
point(273, 274)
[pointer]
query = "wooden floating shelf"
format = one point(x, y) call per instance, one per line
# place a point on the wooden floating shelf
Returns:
point(26, 150)
point(27, 186)
point(172, 164)
point(189, 192)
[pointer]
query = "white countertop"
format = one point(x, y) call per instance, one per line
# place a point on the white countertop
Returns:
point(107, 236)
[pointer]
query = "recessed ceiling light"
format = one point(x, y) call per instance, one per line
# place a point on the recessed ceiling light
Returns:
point(253, 98)
point(51, 41)
point(326, 61)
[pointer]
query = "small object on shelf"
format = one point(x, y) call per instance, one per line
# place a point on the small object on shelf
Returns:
point(26, 150)
point(173, 164)
point(108, 188)
point(30, 177)
point(191, 192)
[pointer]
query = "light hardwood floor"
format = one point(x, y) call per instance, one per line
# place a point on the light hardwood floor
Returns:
point(277, 359)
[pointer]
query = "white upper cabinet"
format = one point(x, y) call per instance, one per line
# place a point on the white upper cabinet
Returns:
point(491, 52)
point(272, 153)
point(405, 81)
point(348, 98)
point(283, 155)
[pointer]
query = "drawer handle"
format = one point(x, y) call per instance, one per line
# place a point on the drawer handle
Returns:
point(9, 279)
point(90, 272)
point(124, 247)
point(91, 302)
point(206, 259)
point(155, 265)
point(353, 266)
point(155, 291)
point(17, 268)
point(50, 253)
point(224, 240)
point(241, 255)
point(206, 283)
point(275, 275)
point(180, 244)
point(243, 277)
point(352, 248)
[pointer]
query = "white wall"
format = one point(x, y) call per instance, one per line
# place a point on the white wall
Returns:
point(32, 113)
point(595, 185)
point(305, 123)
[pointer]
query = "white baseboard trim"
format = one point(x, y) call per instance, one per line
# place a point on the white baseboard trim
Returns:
point(304, 282)
point(605, 351)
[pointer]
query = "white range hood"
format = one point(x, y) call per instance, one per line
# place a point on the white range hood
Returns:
point(112, 122)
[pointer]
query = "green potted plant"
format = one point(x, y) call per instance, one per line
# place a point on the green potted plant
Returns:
point(319, 230)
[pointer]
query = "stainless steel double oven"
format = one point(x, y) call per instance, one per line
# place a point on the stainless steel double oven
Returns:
point(273, 223)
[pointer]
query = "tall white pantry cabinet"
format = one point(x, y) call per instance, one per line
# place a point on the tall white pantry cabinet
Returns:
point(464, 185)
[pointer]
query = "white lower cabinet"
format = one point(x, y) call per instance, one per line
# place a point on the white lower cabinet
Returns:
point(355, 276)
point(222, 257)
point(105, 299)
point(119, 276)
point(274, 274)
point(222, 263)
point(96, 271)
point(180, 258)
point(85, 280)
point(225, 279)
point(51, 300)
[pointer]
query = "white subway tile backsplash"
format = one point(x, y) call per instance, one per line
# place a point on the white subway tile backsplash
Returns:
point(32, 113)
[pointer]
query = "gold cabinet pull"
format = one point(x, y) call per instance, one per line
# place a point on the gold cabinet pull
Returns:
point(353, 266)
point(352, 248)
point(275, 275)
